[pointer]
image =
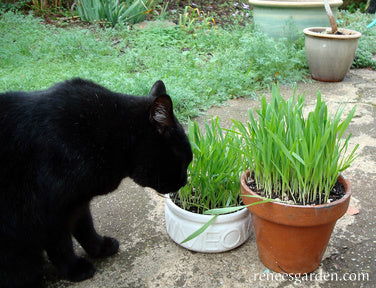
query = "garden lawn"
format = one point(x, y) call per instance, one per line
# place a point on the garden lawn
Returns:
point(201, 67)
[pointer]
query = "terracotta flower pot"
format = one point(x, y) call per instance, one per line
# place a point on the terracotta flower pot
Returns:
point(330, 56)
point(293, 238)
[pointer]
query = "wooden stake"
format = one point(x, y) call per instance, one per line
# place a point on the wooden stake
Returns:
point(332, 20)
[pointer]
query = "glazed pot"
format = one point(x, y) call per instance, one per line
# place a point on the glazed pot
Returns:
point(330, 56)
point(293, 238)
point(225, 233)
point(289, 18)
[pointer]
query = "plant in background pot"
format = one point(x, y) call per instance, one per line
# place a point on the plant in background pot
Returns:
point(213, 182)
point(297, 162)
point(330, 51)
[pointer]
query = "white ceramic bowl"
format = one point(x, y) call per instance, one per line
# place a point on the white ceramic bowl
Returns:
point(225, 233)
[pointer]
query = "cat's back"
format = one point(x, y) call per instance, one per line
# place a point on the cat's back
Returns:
point(64, 92)
point(15, 111)
point(25, 116)
point(11, 102)
point(43, 129)
point(64, 99)
point(76, 113)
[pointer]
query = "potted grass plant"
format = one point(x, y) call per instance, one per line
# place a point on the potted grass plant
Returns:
point(330, 51)
point(296, 163)
point(213, 182)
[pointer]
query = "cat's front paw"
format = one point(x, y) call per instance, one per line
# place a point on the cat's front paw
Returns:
point(81, 270)
point(109, 247)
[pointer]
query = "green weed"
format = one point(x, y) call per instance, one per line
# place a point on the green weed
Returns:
point(367, 42)
point(193, 18)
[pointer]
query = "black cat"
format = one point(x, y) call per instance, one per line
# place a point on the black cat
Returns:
point(61, 147)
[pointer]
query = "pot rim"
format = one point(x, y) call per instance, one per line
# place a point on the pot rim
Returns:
point(345, 183)
point(294, 4)
point(316, 32)
point(203, 218)
point(298, 215)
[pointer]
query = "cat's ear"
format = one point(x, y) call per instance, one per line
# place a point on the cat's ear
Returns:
point(161, 113)
point(158, 89)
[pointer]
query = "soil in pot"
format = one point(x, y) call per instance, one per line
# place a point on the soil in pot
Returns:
point(336, 193)
point(175, 198)
point(339, 32)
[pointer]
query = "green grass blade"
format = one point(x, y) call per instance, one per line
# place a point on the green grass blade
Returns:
point(221, 211)
point(199, 231)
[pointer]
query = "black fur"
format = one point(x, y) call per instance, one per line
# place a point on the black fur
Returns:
point(61, 147)
point(372, 7)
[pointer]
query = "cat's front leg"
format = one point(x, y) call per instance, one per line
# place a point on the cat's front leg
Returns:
point(95, 245)
point(61, 253)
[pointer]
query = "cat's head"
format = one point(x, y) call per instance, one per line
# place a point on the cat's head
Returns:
point(166, 151)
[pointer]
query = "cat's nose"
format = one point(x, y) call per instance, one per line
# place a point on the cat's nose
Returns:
point(183, 179)
point(183, 182)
